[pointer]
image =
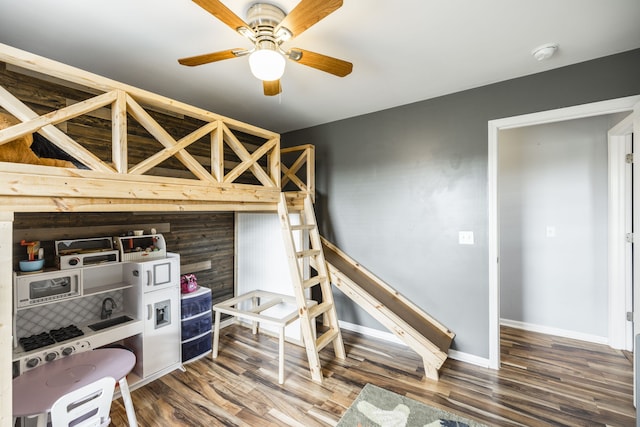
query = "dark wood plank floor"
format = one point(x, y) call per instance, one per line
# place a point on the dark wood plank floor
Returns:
point(544, 381)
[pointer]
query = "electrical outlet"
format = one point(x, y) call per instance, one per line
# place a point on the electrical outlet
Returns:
point(465, 237)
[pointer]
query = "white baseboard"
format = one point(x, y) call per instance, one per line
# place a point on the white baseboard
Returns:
point(596, 339)
point(390, 337)
point(469, 358)
point(370, 332)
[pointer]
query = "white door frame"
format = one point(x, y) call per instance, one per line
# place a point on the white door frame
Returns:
point(494, 126)
point(620, 293)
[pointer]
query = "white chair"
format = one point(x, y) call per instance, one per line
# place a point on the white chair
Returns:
point(88, 406)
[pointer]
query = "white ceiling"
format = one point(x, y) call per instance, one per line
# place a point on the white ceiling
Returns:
point(403, 51)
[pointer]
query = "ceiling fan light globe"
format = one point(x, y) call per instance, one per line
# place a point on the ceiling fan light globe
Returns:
point(267, 64)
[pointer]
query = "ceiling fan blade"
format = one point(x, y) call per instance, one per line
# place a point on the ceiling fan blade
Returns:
point(306, 14)
point(272, 87)
point(212, 57)
point(325, 63)
point(222, 12)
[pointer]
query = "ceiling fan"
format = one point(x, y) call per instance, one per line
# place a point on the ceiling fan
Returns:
point(268, 28)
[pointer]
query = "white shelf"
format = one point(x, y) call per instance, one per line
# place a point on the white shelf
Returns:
point(105, 288)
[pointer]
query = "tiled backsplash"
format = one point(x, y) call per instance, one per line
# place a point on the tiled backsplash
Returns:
point(78, 311)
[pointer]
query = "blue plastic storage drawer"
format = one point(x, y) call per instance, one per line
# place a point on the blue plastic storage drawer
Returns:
point(196, 347)
point(193, 305)
point(196, 325)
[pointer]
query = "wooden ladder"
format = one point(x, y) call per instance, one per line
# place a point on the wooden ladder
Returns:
point(298, 258)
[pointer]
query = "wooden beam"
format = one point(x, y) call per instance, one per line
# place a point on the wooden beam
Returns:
point(63, 233)
point(311, 172)
point(296, 148)
point(217, 153)
point(33, 180)
point(273, 161)
point(195, 267)
point(78, 204)
point(119, 149)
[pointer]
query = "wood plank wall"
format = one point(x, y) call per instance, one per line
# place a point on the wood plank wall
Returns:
point(205, 241)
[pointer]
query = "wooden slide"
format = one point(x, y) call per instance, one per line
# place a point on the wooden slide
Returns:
point(425, 335)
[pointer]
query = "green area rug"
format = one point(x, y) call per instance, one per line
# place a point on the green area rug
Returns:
point(376, 406)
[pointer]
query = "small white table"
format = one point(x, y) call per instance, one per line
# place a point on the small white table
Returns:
point(260, 301)
point(35, 391)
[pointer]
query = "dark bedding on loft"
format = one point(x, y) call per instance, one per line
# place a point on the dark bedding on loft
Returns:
point(45, 148)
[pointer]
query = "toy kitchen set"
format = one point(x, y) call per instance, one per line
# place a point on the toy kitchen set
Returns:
point(110, 291)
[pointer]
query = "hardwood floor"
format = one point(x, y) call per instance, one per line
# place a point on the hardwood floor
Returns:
point(544, 381)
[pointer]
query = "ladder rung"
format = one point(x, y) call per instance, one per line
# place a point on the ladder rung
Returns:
point(315, 280)
point(308, 253)
point(319, 309)
point(326, 338)
point(303, 227)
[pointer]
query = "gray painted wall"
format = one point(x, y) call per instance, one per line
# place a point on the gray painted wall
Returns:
point(555, 176)
point(396, 186)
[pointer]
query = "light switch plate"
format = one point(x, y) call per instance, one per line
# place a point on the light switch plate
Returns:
point(551, 231)
point(465, 237)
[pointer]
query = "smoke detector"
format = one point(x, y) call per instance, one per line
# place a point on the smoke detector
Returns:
point(545, 51)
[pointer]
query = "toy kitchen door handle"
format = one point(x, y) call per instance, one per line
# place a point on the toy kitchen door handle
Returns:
point(149, 277)
point(149, 311)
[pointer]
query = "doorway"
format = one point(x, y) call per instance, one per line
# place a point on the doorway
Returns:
point(553, 198)
point(494, 127)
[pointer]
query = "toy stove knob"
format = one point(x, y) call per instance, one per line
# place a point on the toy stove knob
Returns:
point(32, 363)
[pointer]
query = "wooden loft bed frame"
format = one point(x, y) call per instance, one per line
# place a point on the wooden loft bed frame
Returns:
point(237, 173)
point(241, 171)
point(213, 164)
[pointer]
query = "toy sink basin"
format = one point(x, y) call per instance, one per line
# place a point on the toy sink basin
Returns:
point(35, 265)
point(110, 322)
